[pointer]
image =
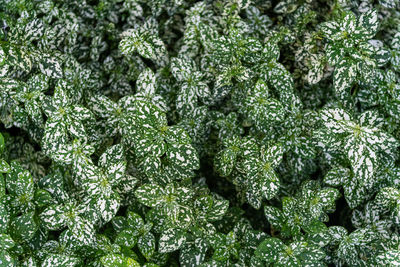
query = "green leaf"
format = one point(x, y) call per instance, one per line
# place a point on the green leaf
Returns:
point(335, 53)
point(147, 245)
point(145, 43)
point(50, 66)
point(183, 157)
point(211, 209)
point(274, 216)
point(171, 240)
point(126, 238)
point(262, 109)
point(149, 194)
point(316, 72)
point(348, 24)
point(389, 258)
point(269, 250)
point(146, 82)
point(337, 176)
point(134, 221)
point(273, 154)
point(7, 260)
point(224, 161)
point(182, 68)
point(217, 210)
point(363, 160)
point(19, 58)
point(43, 198)
point(2, 146)
point(344, 76)
point(311, 255)
point(369, 23)
point(23, 227)
point(115, 260)
point(330, 28)
point(6, 242)
point(335, 120)
point(354, 193)
point(4, 217)
point(33, 29)
point(193, 255)
point(269, 184)
point(60, 260)
point(388, 199)
point(388, 3)
point(108, 206)
point(4, 167)
point(19, 182)
point(82, 231)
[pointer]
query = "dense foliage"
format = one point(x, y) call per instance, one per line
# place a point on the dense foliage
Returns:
point(199, 133)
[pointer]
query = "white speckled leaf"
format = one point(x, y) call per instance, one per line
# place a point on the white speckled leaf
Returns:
point(171, 240)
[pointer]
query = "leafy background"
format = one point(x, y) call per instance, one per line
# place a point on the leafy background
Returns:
point(199, 133)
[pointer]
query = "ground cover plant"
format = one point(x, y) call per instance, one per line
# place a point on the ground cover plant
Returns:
point(199, 133)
